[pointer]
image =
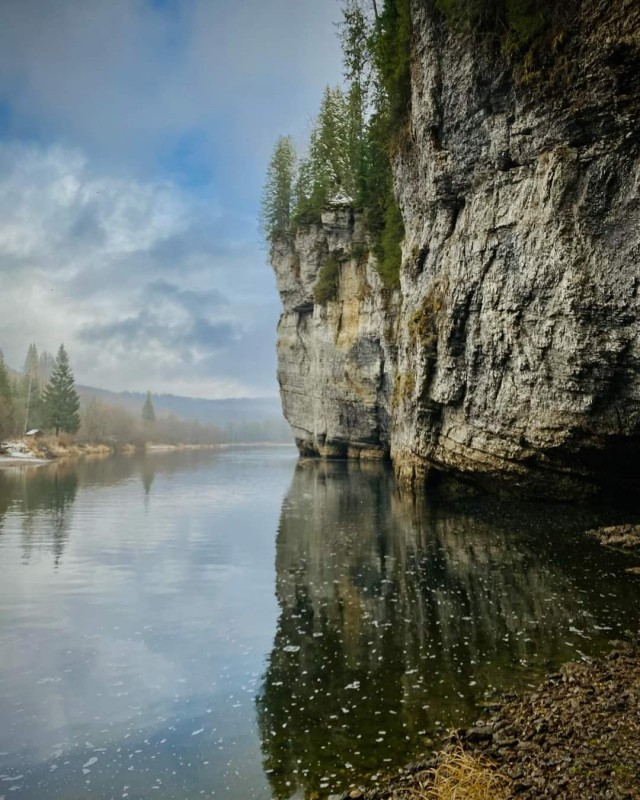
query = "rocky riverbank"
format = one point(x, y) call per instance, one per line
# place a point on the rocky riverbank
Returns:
point(575, 737)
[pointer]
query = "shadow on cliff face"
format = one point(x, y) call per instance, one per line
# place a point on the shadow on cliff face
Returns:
point(402, 615)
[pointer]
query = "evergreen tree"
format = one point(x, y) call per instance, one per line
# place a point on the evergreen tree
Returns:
point(356, 31)
point(148, 411)
point(61, 401)
point(327, 171)
point(46, 365)
point(331, 172)
point(304, 211)
point(355, 132)
point(7, 410)
point(31, 390)
point(277, 196)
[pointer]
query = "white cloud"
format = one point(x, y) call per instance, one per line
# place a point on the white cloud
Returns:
point(126, 273)
point(51, 203)
point(117, 105)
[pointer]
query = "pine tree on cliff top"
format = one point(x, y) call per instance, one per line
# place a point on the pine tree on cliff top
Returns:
point(277, 197)
point(61, 401)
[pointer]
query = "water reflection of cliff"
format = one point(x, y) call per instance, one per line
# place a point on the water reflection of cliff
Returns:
point(398, 617)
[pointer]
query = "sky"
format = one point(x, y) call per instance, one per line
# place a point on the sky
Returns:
point(134, 139)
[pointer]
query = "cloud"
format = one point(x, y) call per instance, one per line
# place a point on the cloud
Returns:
point(126, 273)
point(54, 207)
point(134, 138)
point(150, 327)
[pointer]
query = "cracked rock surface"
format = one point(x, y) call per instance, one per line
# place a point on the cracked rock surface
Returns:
point(512, 350)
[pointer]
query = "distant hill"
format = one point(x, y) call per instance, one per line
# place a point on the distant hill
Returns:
point(243, 419)
point(218, 412)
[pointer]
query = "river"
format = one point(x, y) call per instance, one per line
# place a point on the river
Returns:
point(233, 624)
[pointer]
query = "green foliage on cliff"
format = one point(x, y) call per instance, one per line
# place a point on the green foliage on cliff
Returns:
point(352, 138)
point(391, 47)
point(327, 281)
point(388, 250)
point(516, 22)
point(277, 196)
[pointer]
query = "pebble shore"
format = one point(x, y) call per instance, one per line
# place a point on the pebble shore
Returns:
point(575, 737)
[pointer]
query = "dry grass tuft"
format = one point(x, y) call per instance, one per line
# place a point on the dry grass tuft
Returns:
point(460, 776)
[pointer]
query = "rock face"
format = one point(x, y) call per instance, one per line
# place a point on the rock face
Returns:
point(512, 350)
point(335, 360)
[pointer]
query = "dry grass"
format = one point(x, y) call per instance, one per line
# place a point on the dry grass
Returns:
point(460, 776)
point(63, 445)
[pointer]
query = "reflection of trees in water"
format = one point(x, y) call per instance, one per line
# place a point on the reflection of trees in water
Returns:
point(5, 496)
point(43, 496)
point(110, 470)
point(397, 616)
point(148, 473)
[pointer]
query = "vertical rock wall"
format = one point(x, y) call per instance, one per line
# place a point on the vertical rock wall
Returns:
point(335, 358)
point(512, 351)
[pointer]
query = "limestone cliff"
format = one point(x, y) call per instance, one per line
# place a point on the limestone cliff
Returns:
point(512, 349)
point(335, 360)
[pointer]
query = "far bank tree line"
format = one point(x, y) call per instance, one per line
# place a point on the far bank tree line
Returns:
point(44, 397)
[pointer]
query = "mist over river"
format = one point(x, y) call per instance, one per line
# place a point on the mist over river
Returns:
point(235, 624)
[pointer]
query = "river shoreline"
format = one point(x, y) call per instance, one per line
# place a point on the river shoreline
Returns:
point(575, 736)
point(48, 451)
point(34, 457)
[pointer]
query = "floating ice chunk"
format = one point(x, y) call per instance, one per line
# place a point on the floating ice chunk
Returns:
point(578, 632)
point(291, 648)
point(196, 733)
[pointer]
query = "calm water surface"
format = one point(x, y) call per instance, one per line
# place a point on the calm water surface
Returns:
point(234, 625)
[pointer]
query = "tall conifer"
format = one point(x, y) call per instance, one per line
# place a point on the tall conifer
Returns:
point(277, 197)
point(6, 401)
point(31, 390)
point(61, 401)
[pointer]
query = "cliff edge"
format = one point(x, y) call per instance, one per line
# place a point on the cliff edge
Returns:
point(511, 350)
